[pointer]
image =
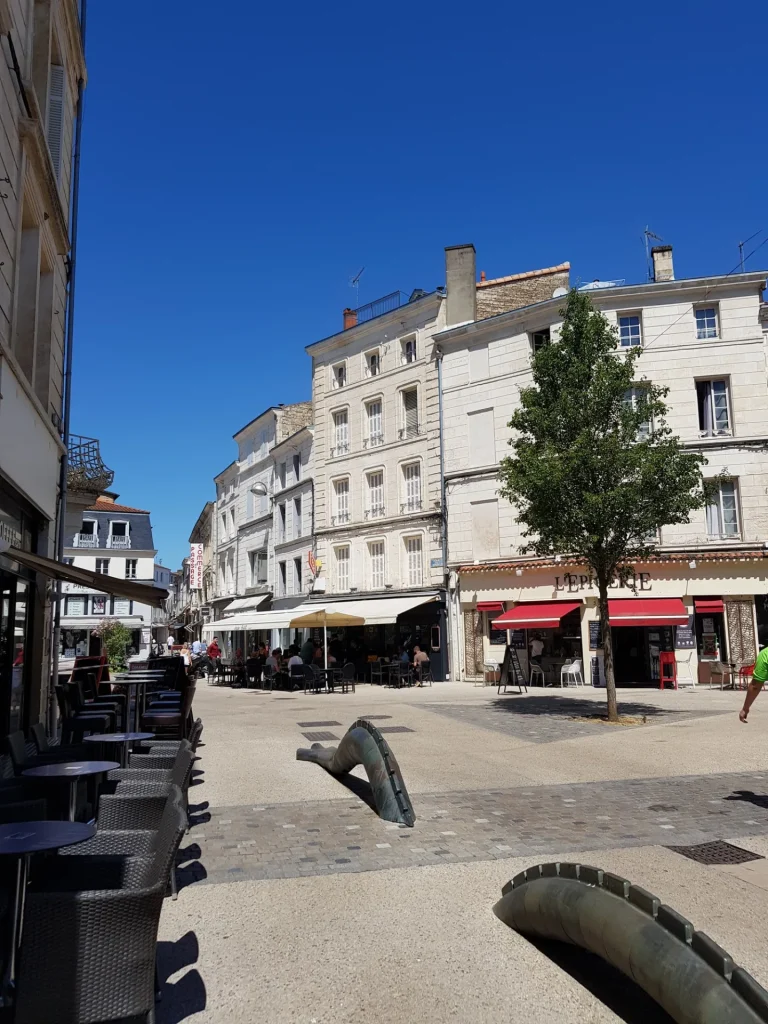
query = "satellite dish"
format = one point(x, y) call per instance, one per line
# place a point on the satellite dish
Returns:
point(558, 293)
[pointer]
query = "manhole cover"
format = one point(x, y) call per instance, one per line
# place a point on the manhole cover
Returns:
point(316, 737)
point(717, 852)
point(315, 725)
point(395, 728)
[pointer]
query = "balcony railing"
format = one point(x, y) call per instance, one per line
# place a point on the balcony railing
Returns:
point(411, 505)
point(381, 306)
point(340, 449)
point(373, 441)
point(374, 512)
point(339, 518)
point(408, 432)
point(85, 469)
point(86, 540)
point(115, 541)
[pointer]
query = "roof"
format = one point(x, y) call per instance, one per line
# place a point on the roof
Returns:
point(237, 433)
point(726, 555)
point(559, 269)
point(378, 322)
point(111, 506)
point(293, 438)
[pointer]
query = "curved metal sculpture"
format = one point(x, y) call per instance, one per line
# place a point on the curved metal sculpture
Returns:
point(683, 970)
point(363, 744)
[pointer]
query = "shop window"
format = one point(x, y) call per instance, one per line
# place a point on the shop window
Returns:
point(121, 606)
point(713, 400)
point(75, 606)
point(99, 605)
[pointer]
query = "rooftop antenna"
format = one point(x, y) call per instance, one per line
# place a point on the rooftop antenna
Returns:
point(648, 234)
point(354, 282)
point(741, 249)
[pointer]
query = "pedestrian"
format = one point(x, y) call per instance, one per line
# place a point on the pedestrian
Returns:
point(214, 656)
point(759, 676)
point(198, 648)
point(171, 642)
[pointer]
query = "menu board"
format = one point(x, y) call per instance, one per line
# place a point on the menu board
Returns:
point(595, 635)
point(517, 639)
point(685, 636)
point(709, 645)
point(498, 637)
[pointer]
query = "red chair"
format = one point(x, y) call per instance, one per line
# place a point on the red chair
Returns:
point(745, 675)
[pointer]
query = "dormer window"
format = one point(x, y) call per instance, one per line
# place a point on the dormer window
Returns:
point(372, 364)
point(119, 534)
point(339, 372)
point(409, 349)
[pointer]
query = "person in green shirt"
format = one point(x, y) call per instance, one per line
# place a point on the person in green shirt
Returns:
point(759, 676)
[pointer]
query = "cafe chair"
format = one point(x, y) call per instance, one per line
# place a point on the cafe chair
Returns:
point(377, 673)
point(267, 677)
point(536, 677)
point(74, 725)
point(348, 677)
point(177, 722)
point(424, 673)
point(572, 673)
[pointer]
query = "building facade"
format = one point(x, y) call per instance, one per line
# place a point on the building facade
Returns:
point(41, 72)
point(116, 541)
point(705, 339)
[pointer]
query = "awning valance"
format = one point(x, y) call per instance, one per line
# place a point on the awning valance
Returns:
point(374, 612)
point(530, 615)
point(648, 611)
point(490, 606)
point(143, 592)
point(708, 605)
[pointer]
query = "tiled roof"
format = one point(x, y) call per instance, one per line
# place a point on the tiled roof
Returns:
point(560, 268)
point(110, 506)
point(735, 555)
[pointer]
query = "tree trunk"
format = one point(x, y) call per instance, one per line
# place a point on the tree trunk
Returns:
point(605, 629)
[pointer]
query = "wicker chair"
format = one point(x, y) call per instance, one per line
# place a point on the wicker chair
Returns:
point(74, 751)
point(78, 725)
point(178, 722)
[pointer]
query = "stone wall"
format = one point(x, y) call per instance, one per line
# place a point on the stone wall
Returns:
point(505, 293)
point(292, 418)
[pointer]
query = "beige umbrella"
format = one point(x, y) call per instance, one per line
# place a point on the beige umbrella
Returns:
point(322, 617)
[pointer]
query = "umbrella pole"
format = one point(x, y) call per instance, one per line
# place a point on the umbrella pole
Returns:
point(325, 645)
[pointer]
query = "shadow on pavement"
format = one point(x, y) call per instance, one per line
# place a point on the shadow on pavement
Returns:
point(187, 996)
point(758, 799)
point(570, 707)
point(360, 787)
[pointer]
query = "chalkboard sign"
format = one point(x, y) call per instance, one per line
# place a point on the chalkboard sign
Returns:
point(517, 639)
point(685, 636)
point(595, 635)
point(498, 637)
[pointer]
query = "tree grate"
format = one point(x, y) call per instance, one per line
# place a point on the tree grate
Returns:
point(717, 852)
point(319, 736)
point(377, 718)
point(315, 725)
point(395, 728)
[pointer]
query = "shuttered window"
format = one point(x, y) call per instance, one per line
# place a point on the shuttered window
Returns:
point(340, 433)
point(376, 557)
point(412, 487)
point(342, 568)
point(341, 493)
point(55, 128)
point(376, 494)
point(410, 413)
point(414, 567)
point(375, 428)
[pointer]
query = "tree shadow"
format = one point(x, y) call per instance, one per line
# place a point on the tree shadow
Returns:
point(573, 707)
point(758, 799)
point(187, 996)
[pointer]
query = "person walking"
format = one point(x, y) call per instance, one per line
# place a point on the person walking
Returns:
point(759, 677)
point(214, 656)
point(171, 642)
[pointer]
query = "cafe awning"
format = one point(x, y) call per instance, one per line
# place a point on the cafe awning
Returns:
point(134, 591)
point(648, 611)
point(708, 605)
point(244, 604)
point(279, 619)
point(490, 606)
point(375, 611)
point(531, 615)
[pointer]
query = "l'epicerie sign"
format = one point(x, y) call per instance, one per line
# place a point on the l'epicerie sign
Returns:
point(195, 566)
point(573, 582)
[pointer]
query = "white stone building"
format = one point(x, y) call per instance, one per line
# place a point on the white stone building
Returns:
point(705, 340)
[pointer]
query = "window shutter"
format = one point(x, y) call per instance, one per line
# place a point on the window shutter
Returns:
point(56, 115)
point(411, 412)
point(413, 486)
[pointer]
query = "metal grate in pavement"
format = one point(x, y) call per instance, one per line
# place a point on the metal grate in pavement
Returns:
point(395, 728)
point(376, 718)
point(717, 852)
point(318, 736)
point(314, 725)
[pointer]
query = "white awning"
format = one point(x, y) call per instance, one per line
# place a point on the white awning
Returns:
point(377, 611)
point(254, 620)
point(244, 604)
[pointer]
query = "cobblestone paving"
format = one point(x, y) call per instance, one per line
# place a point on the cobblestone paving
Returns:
point(548, 719)
point(332, 836)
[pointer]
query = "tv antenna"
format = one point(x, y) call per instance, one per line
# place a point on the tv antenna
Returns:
point(741, 249)
point(354, 282)
point(648, 235)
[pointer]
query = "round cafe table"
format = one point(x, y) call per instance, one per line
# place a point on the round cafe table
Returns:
point(21, 840)
point(140, 681)
point(123, 738)
point(72, 771)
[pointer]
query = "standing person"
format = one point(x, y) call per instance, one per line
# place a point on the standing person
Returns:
point(537, 649)
point(171, 642)
point(214, 655)
point(198, 648)
point(307, 651)
point(759, 676)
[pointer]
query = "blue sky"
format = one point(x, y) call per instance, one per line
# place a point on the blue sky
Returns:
point(242, 162)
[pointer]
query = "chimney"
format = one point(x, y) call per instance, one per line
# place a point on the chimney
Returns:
point(663, 268)
point(461, 287)
point(350, 318)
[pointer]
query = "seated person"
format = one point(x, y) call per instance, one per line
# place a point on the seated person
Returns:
point(295, 658)
point(419, 658)
point(274, 659)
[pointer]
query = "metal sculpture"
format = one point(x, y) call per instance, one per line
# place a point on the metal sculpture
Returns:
point(683, 970)
point(363, 744)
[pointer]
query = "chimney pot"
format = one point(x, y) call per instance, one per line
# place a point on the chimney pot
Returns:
point(663, 267)
point(461, 284)
point(482, 275)
point(350, 318)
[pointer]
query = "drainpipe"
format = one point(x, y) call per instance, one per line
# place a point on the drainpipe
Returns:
point(443, 509)
point(70, 316)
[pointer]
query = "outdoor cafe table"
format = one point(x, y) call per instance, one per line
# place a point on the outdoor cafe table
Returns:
point(71, 771)
point(139, 680)
point(21, 840)
point(125, 738)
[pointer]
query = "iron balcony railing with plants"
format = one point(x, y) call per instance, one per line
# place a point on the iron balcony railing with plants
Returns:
point(85, 469)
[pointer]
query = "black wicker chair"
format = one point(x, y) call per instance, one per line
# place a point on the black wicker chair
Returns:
point(75, 725)
point(173, 721)
point(74, 751)
point(348, 677)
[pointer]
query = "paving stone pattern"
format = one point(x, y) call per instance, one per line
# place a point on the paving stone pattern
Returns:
point(548, 719)
point(322, 837)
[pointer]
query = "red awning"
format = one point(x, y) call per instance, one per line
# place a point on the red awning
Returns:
point(648, 611)
point(708, 605)
point(490, 606)
point(543, 615)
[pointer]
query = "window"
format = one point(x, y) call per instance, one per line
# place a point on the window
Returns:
point(410, 401)
point(723, 511)
point(281, 474)
point(411, 487)
point(297, 574)
point(75, 606)
point(230, 576)
point(258, 565)
point(706, 322)
point(297, 522)
point(340, 433)
point(99, 605)
point(635, 399)
point(224, 532)
point(375, 482)
point(478, 363)
point(485, 529)
point(339, 375)
point(630, 329)
point(55, 126)
point(712, 399)
point(482, 439)
point(409, 350)
point(376, 564)
point(539, 339)
point(281, 522)
point(232, 528)
point(102, 566)
point(374, 424)
point(342, 567)
point(341, 501)
point(414, 564)
point(296, 468)
point(282, 571)
point(119, 535)
point(372, 364)
point(131, 565)
point(88, 527)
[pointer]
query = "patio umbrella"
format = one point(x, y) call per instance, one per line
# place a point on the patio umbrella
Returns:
point(323, 617)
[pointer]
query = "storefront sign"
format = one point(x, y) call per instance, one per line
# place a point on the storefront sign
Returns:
point(709, 645)
point(517, 639)
point(498, 637)
point(146, 637)
point(10, 529)
point(595, 636)
point(195, 566)
point(685, 636)
point(436, 563)
point(573, 582)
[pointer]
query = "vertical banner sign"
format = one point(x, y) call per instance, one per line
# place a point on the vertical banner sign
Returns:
point(195, 566)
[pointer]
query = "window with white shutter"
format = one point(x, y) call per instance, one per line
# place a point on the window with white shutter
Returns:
point(414, 563)
point(411, 487)
point(376, 560)
point(410, 426)
point(342, 568)
point(55, 127)
point(375, 507)
point(375, 425)
point(340, 433)
point(341, 501)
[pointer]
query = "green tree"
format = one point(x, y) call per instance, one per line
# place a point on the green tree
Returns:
point(596, 471)
point(115, 637)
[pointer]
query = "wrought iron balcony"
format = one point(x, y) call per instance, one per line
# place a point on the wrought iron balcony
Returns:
point(374, 512)
point(373, 441)
point(340, 517)
point(340, 449)
point(85, 468)
point(404, 433)
point(411, 505)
